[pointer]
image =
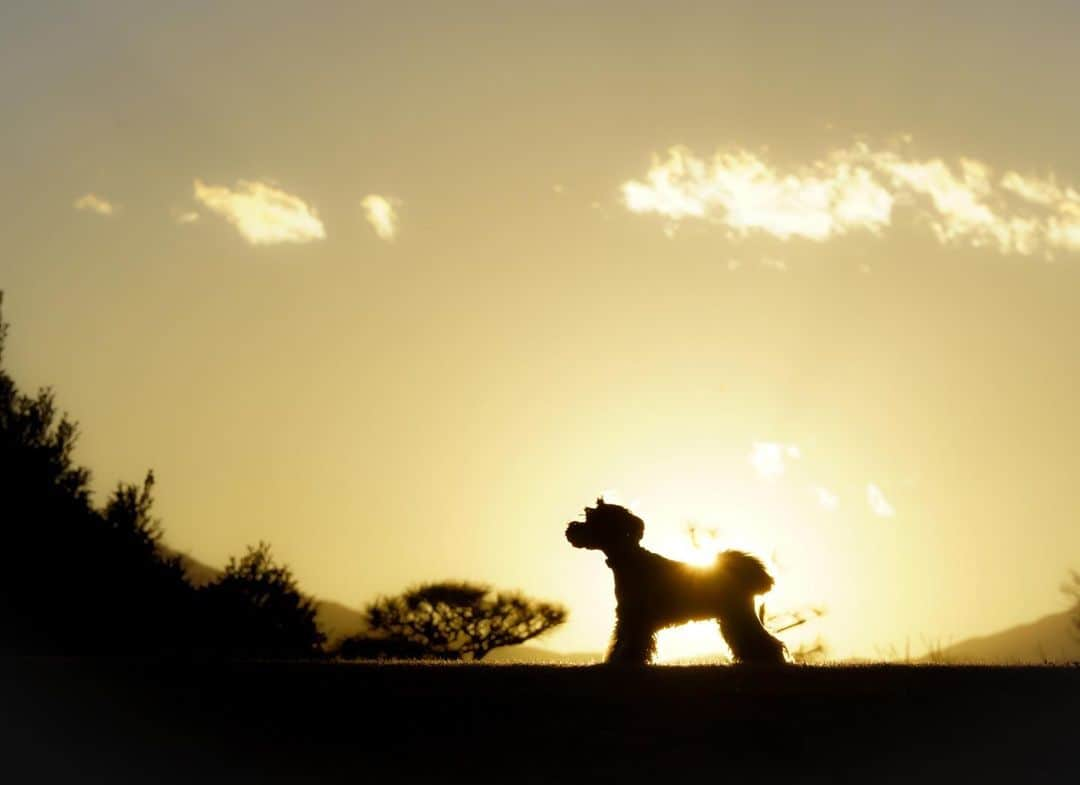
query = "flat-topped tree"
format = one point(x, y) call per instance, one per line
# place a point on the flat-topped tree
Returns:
point(454, 621)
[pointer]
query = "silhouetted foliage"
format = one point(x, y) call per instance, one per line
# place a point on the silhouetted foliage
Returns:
point(256, 609)
point(75, 579)
point(450, 621)
point(1072, 589)
point(810, 653)
point(79, 580)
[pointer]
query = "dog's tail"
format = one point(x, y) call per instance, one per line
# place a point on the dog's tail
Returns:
point(745, 571)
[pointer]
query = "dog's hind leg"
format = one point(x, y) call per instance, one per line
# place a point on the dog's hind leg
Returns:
point(750, 642)
point(633, 643)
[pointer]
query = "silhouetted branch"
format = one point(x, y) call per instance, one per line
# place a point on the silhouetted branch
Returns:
point(789, 620)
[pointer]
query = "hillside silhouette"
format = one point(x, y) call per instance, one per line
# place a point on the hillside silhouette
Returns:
point(1051, 638)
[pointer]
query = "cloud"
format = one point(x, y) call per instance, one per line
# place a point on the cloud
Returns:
point(826, 498)
point(743, 192)
point(767, 458)
point(959, 202)
point(878, 503)
point(263, 214)
point(1062, 226)
point(382, 214)
point(859, 189)
point(1044, 192)
point(776, 265)
point(94, 204)
point(186, 217)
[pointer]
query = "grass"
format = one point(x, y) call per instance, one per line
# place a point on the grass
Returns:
point(163, 722)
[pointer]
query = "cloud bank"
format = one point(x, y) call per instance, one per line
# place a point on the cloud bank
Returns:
point(381, 213)
point(263, 214)
point(859, 189)
point(94, 204)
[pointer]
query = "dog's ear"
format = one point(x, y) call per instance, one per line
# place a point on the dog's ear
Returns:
point(636, 528)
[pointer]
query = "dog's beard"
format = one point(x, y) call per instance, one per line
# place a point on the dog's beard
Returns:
point(576, 536)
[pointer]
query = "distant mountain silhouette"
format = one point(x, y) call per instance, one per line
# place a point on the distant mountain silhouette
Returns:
point(1049, 639)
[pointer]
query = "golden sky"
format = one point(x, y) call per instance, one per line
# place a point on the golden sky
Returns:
point(402, 287)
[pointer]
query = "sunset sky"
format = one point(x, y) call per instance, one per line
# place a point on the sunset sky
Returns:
point(401, 287)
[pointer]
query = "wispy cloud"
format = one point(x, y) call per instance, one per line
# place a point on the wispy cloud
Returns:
point(879, 505)
point(858, 188)
point(769, 458)
point(185, 216)
point(94, 204)
point(263, 214)
point(826, 498)
point(381, 213)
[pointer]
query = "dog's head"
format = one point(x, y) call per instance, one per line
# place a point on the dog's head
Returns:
point(607, 527)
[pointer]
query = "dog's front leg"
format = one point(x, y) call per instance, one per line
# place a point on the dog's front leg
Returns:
point(633, 643)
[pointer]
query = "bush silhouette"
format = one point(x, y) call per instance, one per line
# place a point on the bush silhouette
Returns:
point(255, 609)
point(450, 621)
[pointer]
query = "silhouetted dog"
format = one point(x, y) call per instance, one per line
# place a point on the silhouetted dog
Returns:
point(652, 592)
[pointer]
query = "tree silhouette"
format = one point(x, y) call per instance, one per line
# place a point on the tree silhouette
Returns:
point(82, 580)
point(75, 579)
point(451, 621)
point(256, 609)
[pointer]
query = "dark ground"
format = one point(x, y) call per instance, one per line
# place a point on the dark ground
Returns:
point(169, 722)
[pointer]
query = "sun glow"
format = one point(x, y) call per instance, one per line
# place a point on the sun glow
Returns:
point(699, 640)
